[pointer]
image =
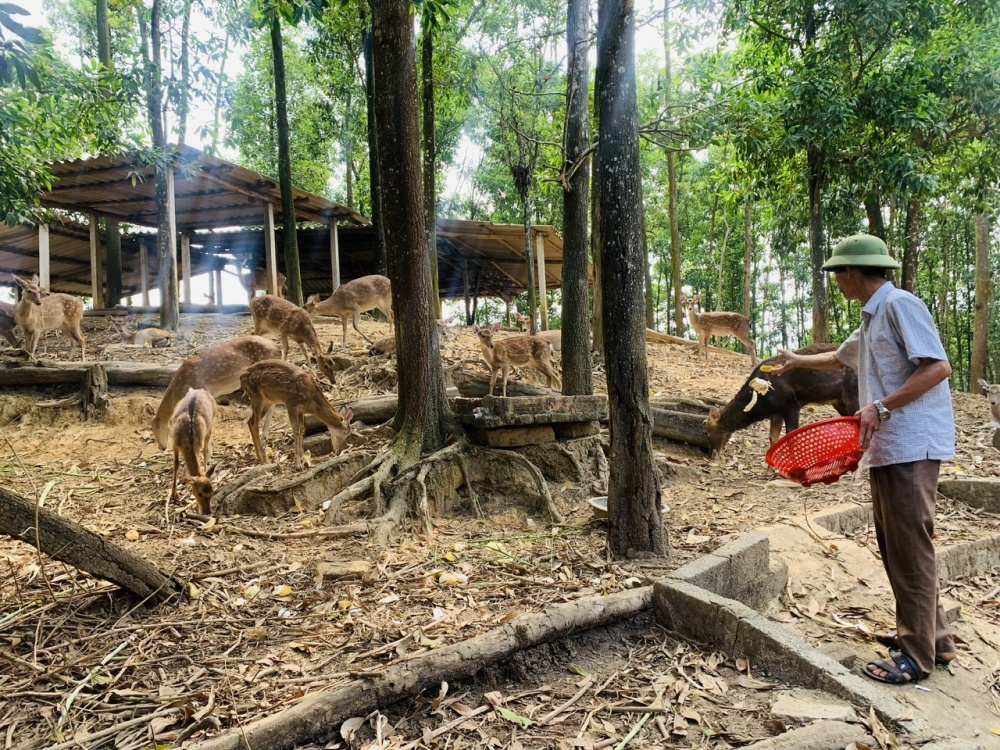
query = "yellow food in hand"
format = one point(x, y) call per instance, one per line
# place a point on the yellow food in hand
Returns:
point(769, 368)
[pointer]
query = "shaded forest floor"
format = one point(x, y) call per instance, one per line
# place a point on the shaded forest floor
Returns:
point(266, 626)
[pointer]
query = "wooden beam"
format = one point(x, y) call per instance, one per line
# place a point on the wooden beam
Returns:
point(44, 258)
point(144, 269)
point(218, 287)
point(335, 254)
point(543, 305)
point(186, 266)
point(96, 292)
point(270, 259)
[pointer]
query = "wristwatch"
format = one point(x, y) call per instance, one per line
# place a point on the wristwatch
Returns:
point(883, 411)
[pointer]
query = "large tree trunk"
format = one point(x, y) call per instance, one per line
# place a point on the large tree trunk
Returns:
point(423, 409)
point(817, 249)
point(748, 247)
point(381, 261)
point(75, 545)
point(112, 235)
point(595, 237)
point(912, 244)
point(430, 161)
point(876, 225)
point(984, 291)
point(635, 525)
point(293, 274)
point(577, 365)
point(675, 235)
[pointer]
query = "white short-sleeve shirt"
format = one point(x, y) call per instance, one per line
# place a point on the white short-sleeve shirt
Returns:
point(896, 332)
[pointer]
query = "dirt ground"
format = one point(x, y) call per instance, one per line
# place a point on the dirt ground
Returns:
point(86, 667)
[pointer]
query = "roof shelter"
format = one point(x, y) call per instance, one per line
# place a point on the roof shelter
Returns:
point(209, 194)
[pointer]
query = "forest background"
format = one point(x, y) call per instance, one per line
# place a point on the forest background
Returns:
point(769, 129)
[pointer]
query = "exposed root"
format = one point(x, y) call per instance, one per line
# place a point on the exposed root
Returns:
point(423, 512)
point(73, 400)
point(463, 466)
point(350, 493)
point(382, 477)
point(571, 457)
point(241, 481)
point(543, 488)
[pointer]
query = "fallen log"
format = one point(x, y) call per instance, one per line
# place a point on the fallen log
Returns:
point(682, 426)
point(80, 547)
point(317, 718)
point(62, 373)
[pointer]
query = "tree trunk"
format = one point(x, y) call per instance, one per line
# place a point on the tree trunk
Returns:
point(748, 247)
point(650, 305)
point(112, 234)
point(293, 274)
point(184, 94)
point(423, 416)
point(675, 235)
point(577, 365)
point(595, 237)
point(75, 545)
point(381, 262)
point(430, 161)
point(817, 252)
point(984, 291)
point(873, 209)
point(635, 524)
point(912, 244)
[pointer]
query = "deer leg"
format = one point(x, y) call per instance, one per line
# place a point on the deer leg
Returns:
point(355, 316)
point(777, 423)
point(254, 424)
point(9, 335)
point(177, 461)
point(495, 371)
point(284, 346)
point(506, 372)
point(295, 419)
point(388, 314)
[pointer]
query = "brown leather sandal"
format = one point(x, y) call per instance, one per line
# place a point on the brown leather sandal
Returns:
point(891, 640)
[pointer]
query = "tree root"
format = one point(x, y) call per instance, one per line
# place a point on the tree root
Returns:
point(543, 488)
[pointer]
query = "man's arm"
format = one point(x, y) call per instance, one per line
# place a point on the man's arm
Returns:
point(821, 361)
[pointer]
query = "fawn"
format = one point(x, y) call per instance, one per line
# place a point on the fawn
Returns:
point(519, 351)
point(38, 312)
point(217, 369)
point(553, 337)
point(7, 324)
point(276, 315)
point(277, 382)
point(386, 346)
point(191, 437)
point(523, 321)
point(353, 298)
point(709, 324)
point(143, 336)
point(993, 392)
point(256, 279)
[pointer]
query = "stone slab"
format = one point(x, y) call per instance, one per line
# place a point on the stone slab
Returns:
point(341, 570)
point(976, 493)
point(737, 570)
point(790, 708)
point(513, 437)
point(575, 430)
point(491, 411)
point(968, 558)
point(822, 735)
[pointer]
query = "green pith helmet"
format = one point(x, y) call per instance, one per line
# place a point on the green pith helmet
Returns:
point(860, 250)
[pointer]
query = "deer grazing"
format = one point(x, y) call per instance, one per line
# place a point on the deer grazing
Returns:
point(783, 401)
point(709, 324)
point(252, 280)
point(38, 312)
point(156, 337)
point(386, 346)
point(277, 382)
point(217, 369)
point(7, 324)
point(516, 351)
point(353, 298)
point(276, 315)
point(993, 392)
point(191, 438)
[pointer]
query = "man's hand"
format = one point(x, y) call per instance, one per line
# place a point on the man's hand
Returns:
point(790, 362)
point(870, 422)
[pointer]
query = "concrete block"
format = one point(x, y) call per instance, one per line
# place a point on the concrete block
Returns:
point(794, 710)
point(845, 519)
point(841, 653)
point(976, 493)
point(738, 570)
point(951, 743)
point(822, 735)
point(513, 437)
point(574, 430)
point(968, 558)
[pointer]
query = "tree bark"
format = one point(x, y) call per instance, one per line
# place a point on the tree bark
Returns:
point(748, 248)
point(381, 262)
point(577, 364)
point(317, 718)
point(75, 545)
point(430, 160)
point(912, 249)
point(675, 235)
point(112, 234)
point(423, 417)
point(873, 210)
point(293, 273)
point(635, 525)
point(817, 251)
point(595, 237)
point(984, 292)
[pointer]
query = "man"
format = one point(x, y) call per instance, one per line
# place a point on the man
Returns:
point(907, 428)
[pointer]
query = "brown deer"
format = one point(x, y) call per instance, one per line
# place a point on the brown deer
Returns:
point(386, 346)
point(191, 437)
point(709, 324)
point(217, 369)
point(7, 324)
point(353, 298)
point(553, 337)
point(523, 321)
point(255, 279)
point(276, 315)
point(993, 392)
point(38, 312)
point(157, 337)
point(517, 351)
point(277, 382)
point(784, 400)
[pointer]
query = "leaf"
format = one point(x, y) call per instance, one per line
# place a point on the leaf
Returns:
point(512, 716)
point(884, 737)
point(352, 725)
point(752, 683)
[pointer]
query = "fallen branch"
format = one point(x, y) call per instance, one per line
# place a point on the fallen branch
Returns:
point(317, 718)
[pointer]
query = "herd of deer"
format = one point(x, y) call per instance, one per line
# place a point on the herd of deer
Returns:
point(259, 368)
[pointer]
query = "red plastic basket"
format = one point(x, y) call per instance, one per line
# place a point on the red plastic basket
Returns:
point(822, 451)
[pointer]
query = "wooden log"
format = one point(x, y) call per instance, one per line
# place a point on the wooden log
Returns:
point(75, 545)
point(185, 307)
point(16, 372)
point(317, 717)
point(681, 426)
point(665, 338)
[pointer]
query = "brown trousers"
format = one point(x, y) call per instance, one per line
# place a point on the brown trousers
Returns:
point(903, 500)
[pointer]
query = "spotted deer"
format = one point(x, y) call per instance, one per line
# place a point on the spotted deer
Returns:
point(386, 346)
point(7, 324)
point(38, 312)
point(157, 337)
point(217, 369)
point(708, 324)
point(515, 351)
point(277, 382)
point(553, 337)
point(252, 280)
point(523, 321)
point(276, 315)
point(353, 298)
point(993, 392)
point(191, 438)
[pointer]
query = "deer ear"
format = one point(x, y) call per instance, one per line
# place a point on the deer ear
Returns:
point(211, 469)
point(20, 282)
point(983, 384)
point(148, 410)
point(347, 414)
point(714, 413)
point(329, 349)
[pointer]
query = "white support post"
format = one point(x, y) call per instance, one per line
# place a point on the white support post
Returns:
point(335, 254)
point(270, 259)
point(218, 287)
point(144, 270)
point(186, 266)
point(44, 259)
point(543, 305)
point(95, 264)
point(172, 239)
